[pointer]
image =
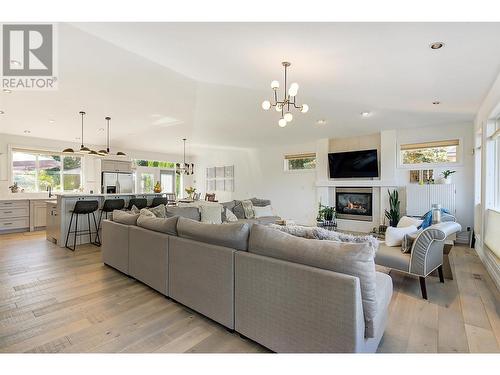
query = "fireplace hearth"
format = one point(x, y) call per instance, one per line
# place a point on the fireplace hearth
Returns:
point(354, 203)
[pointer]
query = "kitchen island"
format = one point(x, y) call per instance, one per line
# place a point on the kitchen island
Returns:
point(59, 214)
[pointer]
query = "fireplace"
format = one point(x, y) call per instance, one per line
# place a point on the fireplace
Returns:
point(354, 203)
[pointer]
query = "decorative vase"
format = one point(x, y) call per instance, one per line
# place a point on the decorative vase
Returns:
point(447, 181)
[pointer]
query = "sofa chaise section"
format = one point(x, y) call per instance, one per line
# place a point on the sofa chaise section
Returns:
point(287, 302)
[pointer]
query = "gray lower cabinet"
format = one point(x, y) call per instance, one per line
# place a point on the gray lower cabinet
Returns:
point(14, 216)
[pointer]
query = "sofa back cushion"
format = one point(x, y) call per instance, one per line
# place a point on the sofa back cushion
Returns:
point(188, 212)
point(125, 217)
point(234, 236)
point(355, 259)
point(158, 224)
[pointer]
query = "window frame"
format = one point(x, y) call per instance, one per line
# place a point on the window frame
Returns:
point(457, 163)
point(496, 198)
point(302, 155)
point(29, 150)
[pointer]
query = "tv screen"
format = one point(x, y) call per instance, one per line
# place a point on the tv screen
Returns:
point(353, 164)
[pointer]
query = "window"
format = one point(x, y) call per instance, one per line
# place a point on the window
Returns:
point(147, 182)
point(496, 138)
point(440, 152)
point(167, 179)
point(154, 163)
point(35, 171)
point(299, 162)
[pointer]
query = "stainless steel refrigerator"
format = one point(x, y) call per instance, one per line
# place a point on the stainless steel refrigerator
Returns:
point(117, 182)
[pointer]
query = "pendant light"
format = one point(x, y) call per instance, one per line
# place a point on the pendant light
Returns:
point(106, 152)
point(83, 149)
point(184, 168)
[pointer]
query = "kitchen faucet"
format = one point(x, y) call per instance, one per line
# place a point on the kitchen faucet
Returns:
point(49, 189)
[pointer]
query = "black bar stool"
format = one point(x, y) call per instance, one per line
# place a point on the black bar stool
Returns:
point(140, 203)
point(109, 206)
point(83, 208)
point(158, 201)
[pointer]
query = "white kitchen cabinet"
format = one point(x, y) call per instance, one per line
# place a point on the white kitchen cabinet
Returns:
point(38, 215)
point(14, 215)
point(116, 166)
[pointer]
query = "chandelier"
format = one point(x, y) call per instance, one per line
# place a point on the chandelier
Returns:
point(106, 152)
point(288, 102)
point(184, 168)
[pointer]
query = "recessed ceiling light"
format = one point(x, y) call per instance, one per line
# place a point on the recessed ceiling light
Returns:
point(437, 45)
point(321, 122)
point(15, 62)
point(27, 132)
point(366, 114)
point(52, 121)
point(7, 91)
point(436, 102)
point(2, 112)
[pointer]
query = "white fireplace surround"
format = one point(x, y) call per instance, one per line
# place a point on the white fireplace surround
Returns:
point(325, 186)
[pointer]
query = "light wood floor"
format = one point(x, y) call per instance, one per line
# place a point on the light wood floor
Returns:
point(54, 300)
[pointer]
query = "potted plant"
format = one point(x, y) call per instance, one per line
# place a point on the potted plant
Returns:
point(447, 176)
point(190, 191)
point(393, 214)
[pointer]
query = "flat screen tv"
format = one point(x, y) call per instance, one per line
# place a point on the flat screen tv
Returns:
point(353, 164)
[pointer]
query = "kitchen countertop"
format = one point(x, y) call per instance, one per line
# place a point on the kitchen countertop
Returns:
point(70, 195)
point(22, 197)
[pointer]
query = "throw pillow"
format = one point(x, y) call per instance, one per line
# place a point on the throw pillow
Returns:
point(394, 236)
point(134, 209)
point(260, 202)
point(408, 240)
point(262, 211)
point(125, 217)
point(406, 221)
point(158, 211)
point(238, 210)
point(146, 212)
point(248, 209)
point(159, 224)
point(210, 214)
point(230, 217)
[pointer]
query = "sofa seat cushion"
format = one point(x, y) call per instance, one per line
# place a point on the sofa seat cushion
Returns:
point(355, 259)
point(158, 224)
point(232, 235)
point(125, 217)
point(392, 257)
point(188, 212)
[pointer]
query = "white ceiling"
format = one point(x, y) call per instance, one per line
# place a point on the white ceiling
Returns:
point(163, 81)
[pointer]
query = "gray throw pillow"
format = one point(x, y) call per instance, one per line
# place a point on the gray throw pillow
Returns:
point(188, 212)
point(159, 224)
point(257, 202)
point(159, 211)
point(125, 217)
point(134, 209)
point(408, 240)
point(238, 210)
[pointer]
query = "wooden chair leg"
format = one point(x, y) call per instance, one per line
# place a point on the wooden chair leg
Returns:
point(422, 287)
point(440, 271)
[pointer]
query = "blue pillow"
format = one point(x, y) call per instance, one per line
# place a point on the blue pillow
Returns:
point(428, 218)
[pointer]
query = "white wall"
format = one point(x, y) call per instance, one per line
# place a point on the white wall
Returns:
point(260, 173)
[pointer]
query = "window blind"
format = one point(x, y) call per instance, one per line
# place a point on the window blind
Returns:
point(417, 146)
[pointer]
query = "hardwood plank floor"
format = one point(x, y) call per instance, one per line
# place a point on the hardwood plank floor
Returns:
point(55, 300)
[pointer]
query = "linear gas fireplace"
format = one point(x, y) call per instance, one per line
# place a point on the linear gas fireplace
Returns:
point(354, 203)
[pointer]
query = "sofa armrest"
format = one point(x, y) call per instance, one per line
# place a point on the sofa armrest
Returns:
point(115, 245)
point(427, 249)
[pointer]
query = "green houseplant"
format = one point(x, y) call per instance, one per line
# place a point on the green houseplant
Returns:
point(325, 213)
point(446, 176)
point(393, 214)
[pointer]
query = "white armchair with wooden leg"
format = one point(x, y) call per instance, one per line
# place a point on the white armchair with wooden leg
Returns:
point(426, 253)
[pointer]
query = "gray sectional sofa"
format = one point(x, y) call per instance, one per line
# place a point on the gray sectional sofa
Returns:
point(289, 294)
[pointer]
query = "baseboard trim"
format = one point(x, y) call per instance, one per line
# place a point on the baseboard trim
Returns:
point(490, 262)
